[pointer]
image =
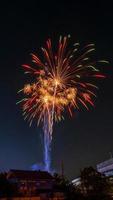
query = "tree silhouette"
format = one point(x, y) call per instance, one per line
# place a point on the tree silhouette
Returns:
point(7, 189)
point(94, 184)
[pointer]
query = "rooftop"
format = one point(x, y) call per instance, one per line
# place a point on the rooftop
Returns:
point(29, 175)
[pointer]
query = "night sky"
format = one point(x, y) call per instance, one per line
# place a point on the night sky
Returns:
point(87, 138)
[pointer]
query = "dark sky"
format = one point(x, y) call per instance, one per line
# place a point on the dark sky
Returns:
point(87, 138)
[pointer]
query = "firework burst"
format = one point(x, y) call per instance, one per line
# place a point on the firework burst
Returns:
point(60, 82)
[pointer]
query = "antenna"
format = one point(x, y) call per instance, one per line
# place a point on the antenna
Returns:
point(62, 168)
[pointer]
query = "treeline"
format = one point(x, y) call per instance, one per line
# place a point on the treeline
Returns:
point(93, 186)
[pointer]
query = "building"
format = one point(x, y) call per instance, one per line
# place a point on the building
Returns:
point(31, 182)
point(106, 167)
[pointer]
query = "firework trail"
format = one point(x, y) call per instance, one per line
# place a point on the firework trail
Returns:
point(60, 83)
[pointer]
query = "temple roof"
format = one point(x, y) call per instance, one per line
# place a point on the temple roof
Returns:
point(29, 175)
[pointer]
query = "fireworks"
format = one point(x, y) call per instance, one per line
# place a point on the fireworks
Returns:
point(60, 82)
